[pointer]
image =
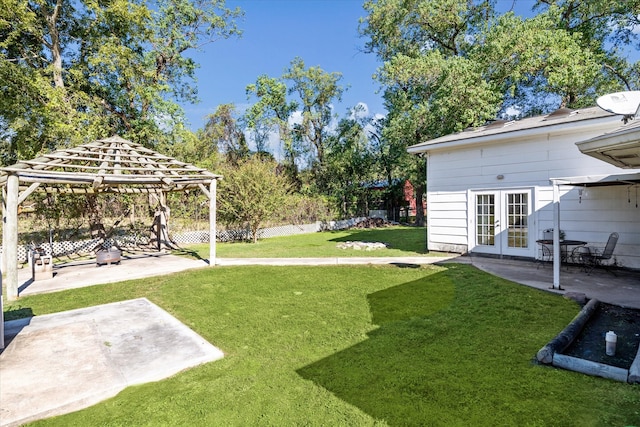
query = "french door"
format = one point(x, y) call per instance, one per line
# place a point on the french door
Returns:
point(500, 222)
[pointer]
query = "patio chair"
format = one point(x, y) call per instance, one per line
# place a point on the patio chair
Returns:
point(546, 255)
point(592, 257)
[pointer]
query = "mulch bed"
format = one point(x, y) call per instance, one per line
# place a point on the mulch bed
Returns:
point(590, 343)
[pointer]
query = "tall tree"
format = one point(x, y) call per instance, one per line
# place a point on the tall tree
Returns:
point(348, 165)
point(299, 106)
point(564, 56)
point(224, 134)
point(78, 70)
point(316, 90)
point(272, 111)
point(607, 28)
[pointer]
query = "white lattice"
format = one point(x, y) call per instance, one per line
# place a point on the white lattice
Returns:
point(85, 247)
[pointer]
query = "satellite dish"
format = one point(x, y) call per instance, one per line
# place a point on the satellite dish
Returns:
point(624, 103)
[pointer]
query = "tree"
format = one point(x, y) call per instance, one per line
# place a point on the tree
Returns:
point(564, 56)
point(348, 166)
point(251, 193)
point(608, 29)
point(74, 71)
point(303, 137)
point(225, 135)
point(272, 111)
point(317, 90)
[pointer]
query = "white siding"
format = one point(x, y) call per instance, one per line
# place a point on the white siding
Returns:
point(530, 163)
point(447, 221)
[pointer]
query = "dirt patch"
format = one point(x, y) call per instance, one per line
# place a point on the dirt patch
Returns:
point(590, 343)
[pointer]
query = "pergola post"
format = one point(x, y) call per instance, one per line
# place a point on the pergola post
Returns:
point(10, 242)
point(212, 222)
point(3, 265)
point(1, 315)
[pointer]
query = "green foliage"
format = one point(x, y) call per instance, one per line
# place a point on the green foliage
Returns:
point(272, 111)
point(356, 345)
point(316, 90)
point(73, 72)
point(349, 166)
point(303, 209)
point(304, 139)
point(534, 54)
point(450, 64)
point(222, 133)
point(250, 194)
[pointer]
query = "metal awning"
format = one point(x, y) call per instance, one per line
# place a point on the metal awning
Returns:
point(620, 147)
point(599, 180)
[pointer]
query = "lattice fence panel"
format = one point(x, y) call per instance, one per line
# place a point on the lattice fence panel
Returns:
point(135, 241)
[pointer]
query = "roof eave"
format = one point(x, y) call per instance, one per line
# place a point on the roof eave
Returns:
point(466, 138)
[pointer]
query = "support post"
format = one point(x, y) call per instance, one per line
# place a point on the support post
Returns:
point(556, 236)
point(3, 266)
point(10, 244)
point(212, 222)
point(1, 315)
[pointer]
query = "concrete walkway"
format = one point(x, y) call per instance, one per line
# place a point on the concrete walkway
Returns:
point(622, 289)
point(417, 260)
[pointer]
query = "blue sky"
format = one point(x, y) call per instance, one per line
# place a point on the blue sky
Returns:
point(323, 33)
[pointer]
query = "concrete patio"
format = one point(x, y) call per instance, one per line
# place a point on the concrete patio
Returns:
point(621, 289)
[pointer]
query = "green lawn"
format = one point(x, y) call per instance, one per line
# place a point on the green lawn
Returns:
point(401, 241)
point(355, 346)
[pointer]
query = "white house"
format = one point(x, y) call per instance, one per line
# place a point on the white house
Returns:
point(490, 190)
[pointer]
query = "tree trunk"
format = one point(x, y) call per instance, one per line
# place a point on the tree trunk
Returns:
point(254, 229)
point(95, 217)
point(420, 190)
point(55, 47)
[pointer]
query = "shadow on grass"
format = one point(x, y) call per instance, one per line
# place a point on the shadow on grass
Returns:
point(456, 348)
point(387, 376)
point(18, 313)
point(406, 238)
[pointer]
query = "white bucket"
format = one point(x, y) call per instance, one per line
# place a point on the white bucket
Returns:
point(610, 340)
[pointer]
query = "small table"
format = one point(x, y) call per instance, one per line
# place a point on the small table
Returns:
point(564, 244)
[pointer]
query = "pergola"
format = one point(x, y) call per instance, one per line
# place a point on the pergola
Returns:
point(111, 165)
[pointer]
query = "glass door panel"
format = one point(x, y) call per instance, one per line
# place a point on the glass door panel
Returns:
point(485, 219)
point(517, 220)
